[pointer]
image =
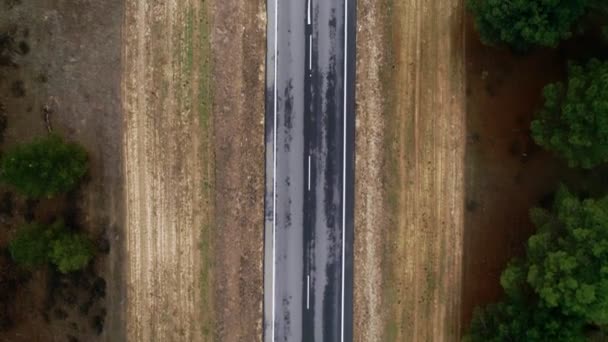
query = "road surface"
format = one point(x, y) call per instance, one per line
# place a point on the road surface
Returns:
point(309, 170)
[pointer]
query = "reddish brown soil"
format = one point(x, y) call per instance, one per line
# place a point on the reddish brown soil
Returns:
point(506, 173)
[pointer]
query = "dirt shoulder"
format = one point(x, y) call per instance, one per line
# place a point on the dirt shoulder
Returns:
point(410, 163)
point(165, 159)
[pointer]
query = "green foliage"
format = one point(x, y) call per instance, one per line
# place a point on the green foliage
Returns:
point(568, 258)
point(514, 320)
point(37, 244)
point(513, 280)
point(71, 252)
point(45, 167)
point(522, 24)
point(574, 120)
point(29, 248)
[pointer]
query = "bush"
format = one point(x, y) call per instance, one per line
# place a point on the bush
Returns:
point(36, 244)
point(522, 24)
point(30, 247)
point(45, 167)
point(71, 252)
point(574, 120)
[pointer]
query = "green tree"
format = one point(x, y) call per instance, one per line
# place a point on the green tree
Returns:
point(45, 167)
point(574, 120)
point(568, 257)
point(71, 252)
point(522, 24)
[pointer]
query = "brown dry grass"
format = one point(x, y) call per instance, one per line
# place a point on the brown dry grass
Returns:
point(238, 50)
point(193, 88)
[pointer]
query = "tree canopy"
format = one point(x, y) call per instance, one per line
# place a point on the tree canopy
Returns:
point(568, 257)
point(45, 167)
point(574, 120)
point(522, 24)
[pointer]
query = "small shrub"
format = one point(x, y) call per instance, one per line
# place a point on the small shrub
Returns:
point(71, 252)
point(30, 247)
point(45, 167)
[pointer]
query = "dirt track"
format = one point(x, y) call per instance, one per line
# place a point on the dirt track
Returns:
point(411, 154)
point(165, 210)
point(238, 44)
point(430, 109)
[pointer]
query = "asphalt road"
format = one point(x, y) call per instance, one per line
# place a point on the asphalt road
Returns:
point(309, 170)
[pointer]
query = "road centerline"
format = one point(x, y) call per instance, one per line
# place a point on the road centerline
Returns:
point(344, 165)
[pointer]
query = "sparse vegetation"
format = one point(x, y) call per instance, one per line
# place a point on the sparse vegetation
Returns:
point(49, 288)
point(45, 167)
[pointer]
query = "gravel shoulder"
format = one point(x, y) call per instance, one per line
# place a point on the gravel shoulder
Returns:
point(371, 222)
